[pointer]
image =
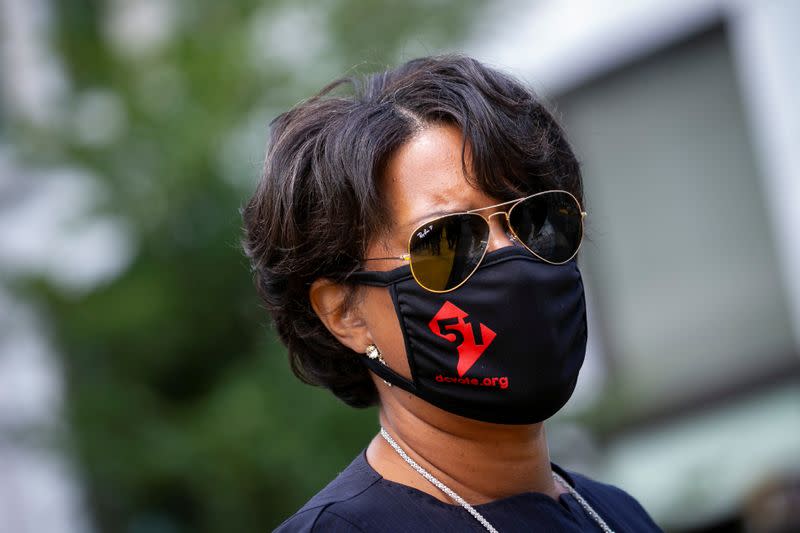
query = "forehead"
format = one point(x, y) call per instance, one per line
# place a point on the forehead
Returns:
point(425, 178)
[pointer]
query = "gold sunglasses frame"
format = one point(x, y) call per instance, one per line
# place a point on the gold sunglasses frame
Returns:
point(514, 237)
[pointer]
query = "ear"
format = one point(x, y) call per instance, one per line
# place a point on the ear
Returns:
point(327, 299)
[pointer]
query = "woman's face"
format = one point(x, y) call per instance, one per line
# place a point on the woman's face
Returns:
point(423, 179)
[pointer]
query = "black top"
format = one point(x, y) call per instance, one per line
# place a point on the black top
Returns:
point(360, 499)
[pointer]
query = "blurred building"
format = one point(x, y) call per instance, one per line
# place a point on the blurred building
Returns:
point(685, 116)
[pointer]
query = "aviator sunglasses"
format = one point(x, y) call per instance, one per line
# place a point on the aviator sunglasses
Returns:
point(446, 251)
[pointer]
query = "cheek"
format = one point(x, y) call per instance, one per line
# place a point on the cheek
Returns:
point(384, 326)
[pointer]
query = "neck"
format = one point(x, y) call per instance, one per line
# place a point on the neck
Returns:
point(480, 461)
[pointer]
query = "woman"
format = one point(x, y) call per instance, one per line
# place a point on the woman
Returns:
point(415, 245)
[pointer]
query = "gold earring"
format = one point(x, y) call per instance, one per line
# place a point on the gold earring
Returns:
point(373, 352)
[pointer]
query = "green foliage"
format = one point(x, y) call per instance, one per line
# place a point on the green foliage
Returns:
point(184, 414)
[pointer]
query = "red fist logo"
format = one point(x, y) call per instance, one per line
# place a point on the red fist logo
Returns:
point(470, 336)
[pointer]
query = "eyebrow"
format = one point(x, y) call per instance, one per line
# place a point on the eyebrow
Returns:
point(434, 214)
point(429, 216)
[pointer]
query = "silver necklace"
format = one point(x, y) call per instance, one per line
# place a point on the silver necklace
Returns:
point(479, 517)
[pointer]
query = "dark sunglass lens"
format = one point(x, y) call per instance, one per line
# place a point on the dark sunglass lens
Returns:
point(445, 251)
point(549, 224)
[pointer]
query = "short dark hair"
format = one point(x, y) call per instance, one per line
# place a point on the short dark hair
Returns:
point(318, 204)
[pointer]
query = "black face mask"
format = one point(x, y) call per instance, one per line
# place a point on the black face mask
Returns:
point(505, 347)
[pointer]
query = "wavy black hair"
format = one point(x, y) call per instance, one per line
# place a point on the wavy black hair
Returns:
point(318, 203)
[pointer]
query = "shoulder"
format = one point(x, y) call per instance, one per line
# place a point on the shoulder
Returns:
point(317, 519)
point(318, 514)
point(360, 500)
point(602, 491)
point(610, 500)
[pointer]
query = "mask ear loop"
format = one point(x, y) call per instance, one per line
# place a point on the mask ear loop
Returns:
point(374, 353)
point(379, 367)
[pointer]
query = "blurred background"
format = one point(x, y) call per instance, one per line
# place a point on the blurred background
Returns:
point(141, 390)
